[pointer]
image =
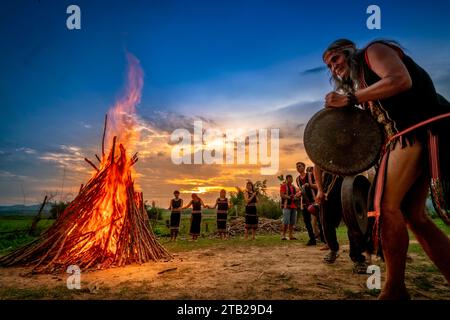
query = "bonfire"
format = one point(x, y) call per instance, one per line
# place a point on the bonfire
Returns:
point(106, 224)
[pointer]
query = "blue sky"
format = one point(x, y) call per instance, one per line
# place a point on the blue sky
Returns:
point(222, 60)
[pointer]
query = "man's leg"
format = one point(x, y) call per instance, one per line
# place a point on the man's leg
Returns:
point(329, 225)
point(403, 167)
point(435, 243)
point(357, 246)
point(285, 223)
point(293, 219)
point(315, 226)
point(322, 236)
point(307, 220)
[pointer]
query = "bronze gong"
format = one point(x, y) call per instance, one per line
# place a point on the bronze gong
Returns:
point(344, 141)
point(354, 199)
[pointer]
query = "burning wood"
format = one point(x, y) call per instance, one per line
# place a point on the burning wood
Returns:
point(105, 225)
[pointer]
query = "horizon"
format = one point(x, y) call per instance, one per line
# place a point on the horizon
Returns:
point(246, 65)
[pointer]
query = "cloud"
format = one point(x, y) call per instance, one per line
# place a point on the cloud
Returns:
point(69, 157)
point(315, 70)
point(85, 125)
point(8, 175)
point(292, 147)
point(168, 121)
point(26, 150)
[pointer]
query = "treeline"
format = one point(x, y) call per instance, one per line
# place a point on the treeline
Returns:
point(267, 207)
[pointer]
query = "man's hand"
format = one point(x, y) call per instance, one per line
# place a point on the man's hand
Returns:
point(336, 100)
point(320, 197)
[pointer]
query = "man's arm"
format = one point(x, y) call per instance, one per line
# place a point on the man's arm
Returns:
point(387, 64)
point(310, 179)
point(318, 175)
point(283, 191)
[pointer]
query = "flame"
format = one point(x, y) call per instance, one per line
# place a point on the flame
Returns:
point(105, 225)
point(110, 206)
point(122, 118)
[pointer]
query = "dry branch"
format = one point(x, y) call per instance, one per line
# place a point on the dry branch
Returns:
point(92, 234)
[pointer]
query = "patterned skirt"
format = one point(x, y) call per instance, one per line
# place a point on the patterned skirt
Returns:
point(196, 220)
point(175, 217)
point(251, 218)
point(222, 221)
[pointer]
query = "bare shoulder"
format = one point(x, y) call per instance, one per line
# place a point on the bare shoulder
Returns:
point(379, 50)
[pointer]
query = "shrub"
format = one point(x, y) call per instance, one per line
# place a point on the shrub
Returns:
point(268, 207)
point(154, 213)
point(57, 208)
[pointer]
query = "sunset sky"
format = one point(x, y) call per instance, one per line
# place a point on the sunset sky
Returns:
point(231, 64)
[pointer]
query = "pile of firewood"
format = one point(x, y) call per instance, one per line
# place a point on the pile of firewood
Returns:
point(236, 226)
point(105, 225)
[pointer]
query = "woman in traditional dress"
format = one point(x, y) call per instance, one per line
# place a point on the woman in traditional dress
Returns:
point(401, 96)
point(175, 207)
point(196, 215)
point(222, 205)
point(251, 216)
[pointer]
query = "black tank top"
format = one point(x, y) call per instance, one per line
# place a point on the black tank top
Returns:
point(176, 203)
point(253, 199)
point(222, 205)
point(407, 108)
point(196, 205)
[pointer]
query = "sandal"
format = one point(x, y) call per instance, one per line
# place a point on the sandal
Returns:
point(360, 267)
point(331, 257)
point(284, 238)
point(293, 238)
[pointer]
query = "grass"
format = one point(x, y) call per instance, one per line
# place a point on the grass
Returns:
point(12, 240)
point(421, 272)
point(14, 231)
point(60, 292)
point(262, 240)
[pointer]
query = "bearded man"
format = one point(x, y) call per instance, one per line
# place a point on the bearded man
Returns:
point(401, 96)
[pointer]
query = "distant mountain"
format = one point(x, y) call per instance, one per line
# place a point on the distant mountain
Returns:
point(20, 209)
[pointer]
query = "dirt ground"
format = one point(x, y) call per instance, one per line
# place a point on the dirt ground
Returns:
point(224, 272)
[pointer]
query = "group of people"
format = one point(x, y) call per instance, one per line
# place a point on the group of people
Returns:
point(222, 204)
point(322, 216)
point(382, 79)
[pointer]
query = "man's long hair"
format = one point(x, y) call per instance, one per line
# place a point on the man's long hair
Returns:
point(350, 83)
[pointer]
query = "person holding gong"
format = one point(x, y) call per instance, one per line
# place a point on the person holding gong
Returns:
point(401, 96)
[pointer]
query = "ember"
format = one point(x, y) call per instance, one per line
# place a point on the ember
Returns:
point(105, 224)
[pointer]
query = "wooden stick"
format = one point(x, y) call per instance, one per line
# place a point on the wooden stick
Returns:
point(113, 149)
point(37, 218)
point(73, 240)
point(167, 270)
point(93, 165)
point(104, 133)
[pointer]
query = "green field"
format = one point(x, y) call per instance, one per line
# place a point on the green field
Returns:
point(13, 233)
